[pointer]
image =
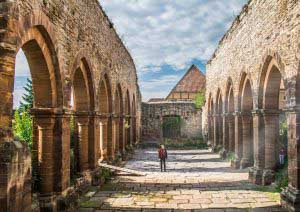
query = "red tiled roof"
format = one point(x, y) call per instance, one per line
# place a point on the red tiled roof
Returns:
point(192, 82)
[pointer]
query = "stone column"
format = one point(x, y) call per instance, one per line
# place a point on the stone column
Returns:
point(230, 124)
point(255, 173)
point(45, 148)
point(247, 158)
point(210, 129)
point(115, 136)
point(215, 131)
point(83, 141)
point(123, 120)
point(238, 140)
point(93, 141)
point(220, 130)
point(290, 197)
point(271, 123)
point(225, 132)
point(103, 138)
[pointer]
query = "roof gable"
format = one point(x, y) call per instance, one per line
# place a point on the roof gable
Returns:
point(192, 82)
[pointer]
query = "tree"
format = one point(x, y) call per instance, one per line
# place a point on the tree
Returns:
point(27, 97)
point(199, 99)
point(22, 125)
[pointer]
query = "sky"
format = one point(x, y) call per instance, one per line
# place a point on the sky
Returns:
point(164, 37)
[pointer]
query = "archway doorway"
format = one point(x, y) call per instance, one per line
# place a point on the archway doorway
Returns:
point(247, 123)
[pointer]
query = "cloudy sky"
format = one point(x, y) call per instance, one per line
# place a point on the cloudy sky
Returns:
point(165, 37)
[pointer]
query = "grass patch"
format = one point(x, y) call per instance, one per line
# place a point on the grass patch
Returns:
point(271, 191)
point(187, 144)
point(90, 204)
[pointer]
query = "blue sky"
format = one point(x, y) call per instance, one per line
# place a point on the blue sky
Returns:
point(164, 37)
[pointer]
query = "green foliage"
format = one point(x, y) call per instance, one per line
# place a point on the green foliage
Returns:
point(22, 126)
point(230, 156)
point(283, 133)
point(106, 174)
point(27, 97)
point(199, 99)
point(196, 143)
point(172, 122)
point(126, 125)
point(281, 177)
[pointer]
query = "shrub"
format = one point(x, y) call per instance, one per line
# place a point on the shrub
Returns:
point(22, 126)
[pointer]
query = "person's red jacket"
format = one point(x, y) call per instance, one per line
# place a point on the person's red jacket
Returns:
point(162, 154)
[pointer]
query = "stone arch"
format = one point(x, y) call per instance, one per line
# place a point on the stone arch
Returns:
point(83, 96)
point(133, 119)
point(271, 93)
point(127, 118)
point(42, 58)
point(246, 107)
point(105, 109)
point(229, 118)
point(272, 66)
point(219, 117)
point(45, 72)
point(118, 112)
point(210, 119)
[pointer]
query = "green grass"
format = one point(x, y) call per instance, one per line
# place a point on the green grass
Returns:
point(271, 191)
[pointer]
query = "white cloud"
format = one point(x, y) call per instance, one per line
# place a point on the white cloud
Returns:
point(159, 32)
point(22, 68)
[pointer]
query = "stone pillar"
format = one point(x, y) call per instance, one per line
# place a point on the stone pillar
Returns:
point(83, 141)
point(271, 123)
point(115, 136)
point(46, 160)
point(215, 131)
point(290, 197)
point(93, 141)
point(225, 132)
point(247, 158)
point(230, 124)
point(124, 135)
point(220, 130)
point(256, 173)
point(103, 138)
point(210, 129)
point(238, 140)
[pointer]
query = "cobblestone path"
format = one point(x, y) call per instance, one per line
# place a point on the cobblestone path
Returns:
point(195, 180)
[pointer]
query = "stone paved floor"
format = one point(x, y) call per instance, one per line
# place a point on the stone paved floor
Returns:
point(196, 180)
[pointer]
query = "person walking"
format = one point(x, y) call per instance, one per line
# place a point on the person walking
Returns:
point(162, 155)
point(281, 157)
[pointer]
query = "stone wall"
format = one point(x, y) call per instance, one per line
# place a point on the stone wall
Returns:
point(153, 113)
point(254, 38)
point(257, 59)
point(70, 46)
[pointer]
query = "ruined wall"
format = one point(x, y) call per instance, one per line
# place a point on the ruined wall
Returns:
point(265, 30)
point(153, 113)
point(60, 37)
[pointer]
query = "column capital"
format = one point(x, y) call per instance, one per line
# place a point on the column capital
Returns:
point(246, 113)
point(46, 111)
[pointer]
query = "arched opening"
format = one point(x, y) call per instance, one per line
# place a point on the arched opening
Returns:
point(133, 120)
point(230, 117)
point(118, 108)
point(80, 127)
point(45, 96)
point(127, 119)
point(219, 113)
point(247, 123)
point(272, 100)
point(210, 119)
point(106, 146)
